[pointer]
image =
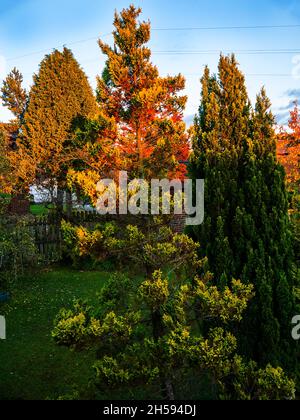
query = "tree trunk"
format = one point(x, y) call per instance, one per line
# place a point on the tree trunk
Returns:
point(157, 325)
point(69, 203)
point(169, 390)
point(158, 332)
point(140, 152)
point(60, 201)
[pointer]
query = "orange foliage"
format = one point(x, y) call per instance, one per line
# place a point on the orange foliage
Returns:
point(146, 109)
point(288, 147)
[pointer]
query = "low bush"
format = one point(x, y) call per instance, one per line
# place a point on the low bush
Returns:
point(17, 250)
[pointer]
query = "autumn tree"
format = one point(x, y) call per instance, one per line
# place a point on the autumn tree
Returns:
point(288, 153)
point(288, 148)
point(15, 97)
point(141, 113)
point(246, 233)
point(59, 99)
point(147, 108)
point(294, 124)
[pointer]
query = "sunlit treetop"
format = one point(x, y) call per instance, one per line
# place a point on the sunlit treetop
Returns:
point(147, 109)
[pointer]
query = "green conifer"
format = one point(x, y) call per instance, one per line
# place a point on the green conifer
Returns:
point(246, 232)
point(60, 97)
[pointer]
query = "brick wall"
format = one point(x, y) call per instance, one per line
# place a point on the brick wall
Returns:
point(178, 223)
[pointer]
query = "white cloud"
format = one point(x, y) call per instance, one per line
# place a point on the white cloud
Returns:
point(5, 114)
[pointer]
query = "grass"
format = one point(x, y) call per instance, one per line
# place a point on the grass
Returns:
point(39, 209)
point(32, 366)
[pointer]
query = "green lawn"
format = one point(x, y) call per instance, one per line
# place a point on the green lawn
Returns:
point(31, 365)
point(39, 209)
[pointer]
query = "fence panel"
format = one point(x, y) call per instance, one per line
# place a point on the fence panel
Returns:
point(47, 233)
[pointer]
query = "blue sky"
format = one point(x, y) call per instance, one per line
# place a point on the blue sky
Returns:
point(35, 26)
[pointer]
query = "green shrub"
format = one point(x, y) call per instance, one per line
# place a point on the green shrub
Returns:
point(17, 250)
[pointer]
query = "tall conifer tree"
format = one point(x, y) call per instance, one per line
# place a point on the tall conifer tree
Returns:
point(246, 232)
point(147, 109)
point(60, 96)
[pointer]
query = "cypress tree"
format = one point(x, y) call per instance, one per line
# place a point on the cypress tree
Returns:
point(147, 109)
point(13, 94)
point(60, 97)
point(246, 232)
point(140, 127)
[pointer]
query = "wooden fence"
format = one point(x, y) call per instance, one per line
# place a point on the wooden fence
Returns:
point(47, 233)
point(48, 238)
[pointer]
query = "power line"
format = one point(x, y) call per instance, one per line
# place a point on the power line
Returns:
point(246, 75)
point(269, 74)
point(59, 46)
point(212, 52)
point(181, 52)
point(203, 28)
point(212, 28)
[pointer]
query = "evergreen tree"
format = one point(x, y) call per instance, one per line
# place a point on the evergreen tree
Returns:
point(246, 232)
point(13, 95)
point(4, 163)
point(147, 108)
point(141, 113)
point(59, 98)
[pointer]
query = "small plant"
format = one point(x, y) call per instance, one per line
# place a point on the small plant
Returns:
point(17, 250)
